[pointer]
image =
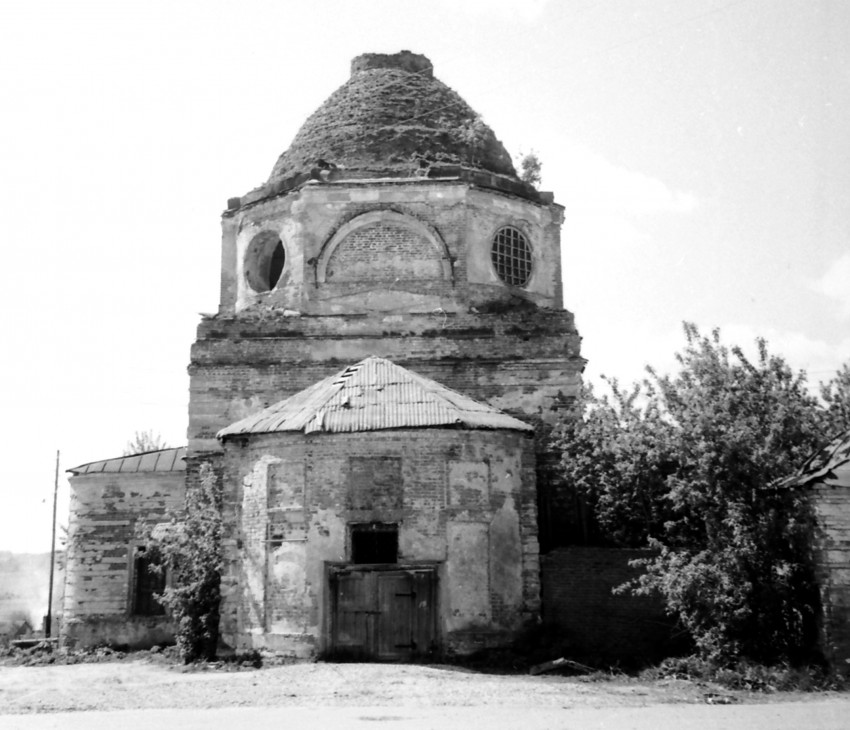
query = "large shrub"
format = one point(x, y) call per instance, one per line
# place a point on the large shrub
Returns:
point(189, 550)
point(691, 465)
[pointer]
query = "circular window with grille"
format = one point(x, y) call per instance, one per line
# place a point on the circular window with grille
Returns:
point(511, 254)
point(264, 261)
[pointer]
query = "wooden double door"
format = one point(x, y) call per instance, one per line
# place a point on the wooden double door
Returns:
point(382, 613)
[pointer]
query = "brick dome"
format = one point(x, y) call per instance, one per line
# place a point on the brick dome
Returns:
point(391, 118)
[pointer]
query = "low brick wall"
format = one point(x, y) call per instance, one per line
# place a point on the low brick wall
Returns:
point(125, 632)
point(590, 620)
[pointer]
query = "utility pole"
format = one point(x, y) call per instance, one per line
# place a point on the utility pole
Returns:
point(49, 618)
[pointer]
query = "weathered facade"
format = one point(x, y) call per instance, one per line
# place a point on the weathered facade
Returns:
point(393, 227)
point(378, 514)
point(109, 592)
point(419, 244)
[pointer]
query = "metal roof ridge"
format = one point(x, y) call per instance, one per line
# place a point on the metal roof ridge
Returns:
point(319, 407)
point(441, 389)
point(81, 468)
point(243, 425)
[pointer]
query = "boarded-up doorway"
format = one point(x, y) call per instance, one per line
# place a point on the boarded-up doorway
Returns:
point(383, 614)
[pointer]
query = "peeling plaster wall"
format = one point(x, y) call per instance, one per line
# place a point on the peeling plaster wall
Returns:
point(462, 499)
point(541, 224)
point(831, 501)
point(458, 219)
point(104, 514)
point(443, 313)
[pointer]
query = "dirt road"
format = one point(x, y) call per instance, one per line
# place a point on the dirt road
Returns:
point(140, 684)
point(135, 693)
point(817, 715)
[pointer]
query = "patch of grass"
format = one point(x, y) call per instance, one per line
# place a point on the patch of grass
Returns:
point(750, 676)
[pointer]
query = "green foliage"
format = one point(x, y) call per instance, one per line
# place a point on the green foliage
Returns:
point(836, 396)
point(749, 676)
point(190, 551)
point(688, 464)
point(144, 441)
point(615, 454)
point(530, 168)
point(473, 134)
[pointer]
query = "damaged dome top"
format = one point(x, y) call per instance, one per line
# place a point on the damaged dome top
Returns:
point(392, 117)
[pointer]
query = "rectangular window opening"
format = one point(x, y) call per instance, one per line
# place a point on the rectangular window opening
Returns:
point(147, 584)
point(374, 542)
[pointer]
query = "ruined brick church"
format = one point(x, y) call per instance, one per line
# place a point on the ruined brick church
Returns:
point(390, 338)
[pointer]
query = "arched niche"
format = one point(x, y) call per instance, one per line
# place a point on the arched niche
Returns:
point(383, 246)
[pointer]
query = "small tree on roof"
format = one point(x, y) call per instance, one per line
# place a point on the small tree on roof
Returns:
point(530, 168)
point(836, 396)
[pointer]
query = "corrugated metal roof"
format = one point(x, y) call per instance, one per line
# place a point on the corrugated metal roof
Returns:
point(374, 394)
point(162, 460)
point(823, 464)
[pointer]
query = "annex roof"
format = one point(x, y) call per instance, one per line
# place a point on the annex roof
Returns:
point(173, 459)
point(831, 465)
point(375, 394)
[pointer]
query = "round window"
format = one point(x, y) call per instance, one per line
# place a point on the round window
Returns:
point(511, 254)
point(264, 261)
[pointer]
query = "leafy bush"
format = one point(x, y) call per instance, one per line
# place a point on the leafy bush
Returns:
point(689, 465)
point(191, 552)
point(749, 676)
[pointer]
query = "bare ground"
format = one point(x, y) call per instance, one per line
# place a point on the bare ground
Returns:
point(144, 682)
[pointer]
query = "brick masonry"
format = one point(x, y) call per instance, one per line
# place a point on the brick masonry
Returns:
point(391, 112)
point(463, 500)
point(397, 266)
point(579, 603)
point(384, 253)
point(457, 219)
point(385, 257)
point(402, 269)
point(527, 365)
point(106, 510)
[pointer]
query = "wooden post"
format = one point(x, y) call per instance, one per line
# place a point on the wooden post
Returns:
point(49, 618)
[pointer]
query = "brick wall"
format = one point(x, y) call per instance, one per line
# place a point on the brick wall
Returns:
point(384, 253)
point(524, 363)
point(105, 512)
point(578, 604)
point(448, 490)
point(401, 269)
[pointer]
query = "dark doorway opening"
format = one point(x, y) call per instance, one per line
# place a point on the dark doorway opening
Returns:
point(374, 542)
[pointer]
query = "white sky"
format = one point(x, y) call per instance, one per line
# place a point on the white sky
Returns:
point(700, 148)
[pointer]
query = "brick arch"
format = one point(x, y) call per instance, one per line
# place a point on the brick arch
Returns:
point(384, 245)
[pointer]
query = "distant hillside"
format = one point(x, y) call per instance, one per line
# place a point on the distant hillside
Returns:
point(24, 581)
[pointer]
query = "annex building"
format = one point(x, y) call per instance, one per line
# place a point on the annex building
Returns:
point(389, 343)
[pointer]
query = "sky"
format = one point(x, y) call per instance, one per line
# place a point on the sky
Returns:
point(699, 148)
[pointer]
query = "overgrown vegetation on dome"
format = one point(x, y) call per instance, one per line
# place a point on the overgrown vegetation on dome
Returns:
point(388, 120)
